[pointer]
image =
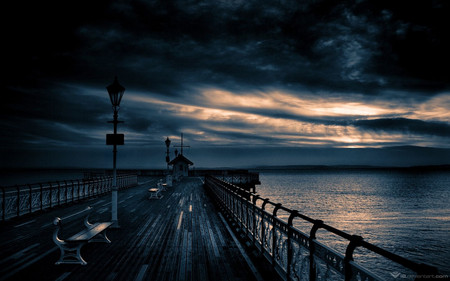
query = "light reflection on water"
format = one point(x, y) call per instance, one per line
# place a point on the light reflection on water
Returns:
point(405, 212)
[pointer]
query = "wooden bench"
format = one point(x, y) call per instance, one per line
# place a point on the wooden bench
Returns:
point(155, 193)
point(162, 186)
point(71, 247)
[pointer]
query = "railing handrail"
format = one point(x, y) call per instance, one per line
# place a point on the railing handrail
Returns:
point(93, 179)
point(355, 241)
point(27, 198)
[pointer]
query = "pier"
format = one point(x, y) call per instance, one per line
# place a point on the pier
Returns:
point(202, 228)
point(178, 237)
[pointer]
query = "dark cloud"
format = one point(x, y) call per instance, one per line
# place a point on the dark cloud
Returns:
point(408, 126)
point(59, 115)
point(163, 45)
point(60, 55)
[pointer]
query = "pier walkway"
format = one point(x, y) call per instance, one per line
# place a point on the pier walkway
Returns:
point(178, 237)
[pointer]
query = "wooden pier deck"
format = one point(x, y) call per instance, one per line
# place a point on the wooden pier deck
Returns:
point(179, 237)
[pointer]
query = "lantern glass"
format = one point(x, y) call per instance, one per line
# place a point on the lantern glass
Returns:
point(115, 91)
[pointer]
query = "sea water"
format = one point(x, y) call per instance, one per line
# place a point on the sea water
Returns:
point(406, 212)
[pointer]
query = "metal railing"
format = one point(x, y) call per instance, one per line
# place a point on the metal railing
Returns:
point(241, 178)
point(293, 254)
point(24, 199)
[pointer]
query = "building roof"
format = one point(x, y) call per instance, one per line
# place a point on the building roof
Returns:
point(180, 158)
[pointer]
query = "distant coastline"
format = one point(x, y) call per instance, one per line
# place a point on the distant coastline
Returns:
point(352, 167)
point(262, 167)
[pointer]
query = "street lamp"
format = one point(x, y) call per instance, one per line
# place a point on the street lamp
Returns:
point(168, 177)
point(167, 153)
point(115, 91)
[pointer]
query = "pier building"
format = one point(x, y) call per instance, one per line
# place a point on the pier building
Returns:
point(180, 166)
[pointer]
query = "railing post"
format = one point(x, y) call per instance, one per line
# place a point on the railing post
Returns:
point(41, 196)
point(65, 183)
point(18, 200)
point(90, 188)
point(263, 227)
point(312, 237)
point(241, 212)
point(229, 201)
point(247, 216)
point(255, 198)
point(59, 194)
point(50, 194)
point(102, 185)
point(4, 204)
point(31, 199)
point(73, 190)
point(78, 190)
point(274, 233)
point(355, 241)
point(294, 213)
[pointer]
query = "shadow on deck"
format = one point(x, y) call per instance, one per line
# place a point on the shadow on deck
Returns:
point(178, 237)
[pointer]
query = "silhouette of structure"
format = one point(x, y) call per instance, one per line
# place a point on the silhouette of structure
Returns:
point(115, 91)
point(180, 163)
point(167, 142)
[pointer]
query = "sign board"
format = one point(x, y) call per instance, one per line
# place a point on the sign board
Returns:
point(115, 139)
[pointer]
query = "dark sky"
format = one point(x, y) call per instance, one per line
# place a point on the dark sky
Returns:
point(247, 82)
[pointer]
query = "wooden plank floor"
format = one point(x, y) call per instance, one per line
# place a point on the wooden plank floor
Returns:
point(178, 237)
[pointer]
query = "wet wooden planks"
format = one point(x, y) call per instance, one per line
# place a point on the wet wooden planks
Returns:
point(179, 237)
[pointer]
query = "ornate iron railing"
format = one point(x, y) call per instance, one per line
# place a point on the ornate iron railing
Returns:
point(24, 199)
point(293, 254)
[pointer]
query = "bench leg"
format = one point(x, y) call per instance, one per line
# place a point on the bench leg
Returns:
point(155, 196)
point(101, 237)
point(71, 254)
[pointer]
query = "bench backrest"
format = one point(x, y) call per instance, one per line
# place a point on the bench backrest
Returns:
point(60, 222)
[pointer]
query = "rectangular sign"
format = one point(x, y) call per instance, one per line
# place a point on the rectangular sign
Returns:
point(115, 139)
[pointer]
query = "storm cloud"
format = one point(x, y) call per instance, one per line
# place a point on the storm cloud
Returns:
point(287, 74)
point(406, 126)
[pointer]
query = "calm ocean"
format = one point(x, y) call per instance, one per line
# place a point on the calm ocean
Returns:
point(403, 211)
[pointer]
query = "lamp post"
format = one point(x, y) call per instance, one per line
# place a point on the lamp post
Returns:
point(167, 153)
point(115, 91)
point(168, 176)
